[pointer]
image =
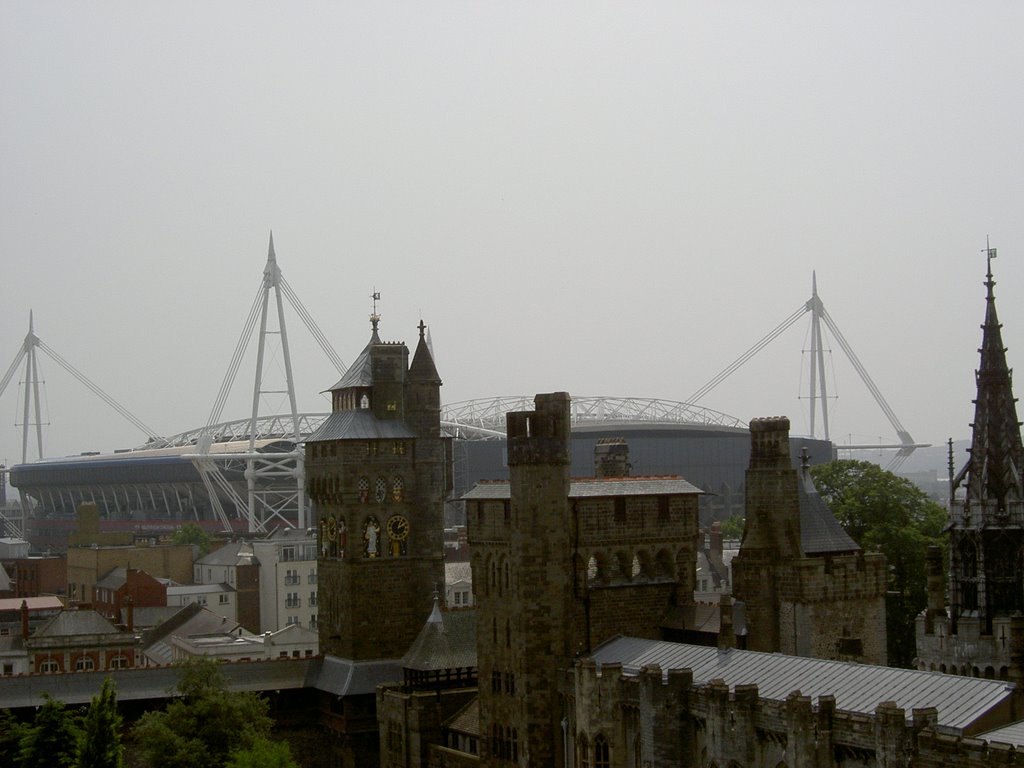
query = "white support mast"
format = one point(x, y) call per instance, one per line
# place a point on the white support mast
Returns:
point(256, 468)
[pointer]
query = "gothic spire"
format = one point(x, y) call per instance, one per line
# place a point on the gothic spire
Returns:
point(997, 455)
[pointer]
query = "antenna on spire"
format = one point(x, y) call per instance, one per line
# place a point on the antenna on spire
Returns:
point(990, 253)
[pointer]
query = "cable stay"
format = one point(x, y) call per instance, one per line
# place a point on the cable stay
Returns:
point(818, 387)
point(281, 495)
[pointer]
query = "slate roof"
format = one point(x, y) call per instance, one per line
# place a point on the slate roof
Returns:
point(360, 373)
point(114, 579)
point(47, 602)
point(359, 425)
point(229, 554)
point(597, 488)
point(192, 619)
point(344, 677)
point(455, 572)
point(447, 641)
point(820, 532)
point(68, 623)
point(858, 688)
point(467, 719)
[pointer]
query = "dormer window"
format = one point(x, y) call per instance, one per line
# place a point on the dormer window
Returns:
point(364, 401)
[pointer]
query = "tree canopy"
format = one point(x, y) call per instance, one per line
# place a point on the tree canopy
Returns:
point(52, 741)
point(101, 731)
point(205, 726)
point(887, 513)
point(190, 533)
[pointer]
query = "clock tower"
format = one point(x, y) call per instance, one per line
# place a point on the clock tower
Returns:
point(377, 473)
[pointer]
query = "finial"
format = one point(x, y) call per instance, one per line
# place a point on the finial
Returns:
point(805, 460)
point(990, 253)
point(423, 327)
point(375, 318)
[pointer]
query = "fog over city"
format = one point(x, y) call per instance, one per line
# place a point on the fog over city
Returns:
point(604, 198)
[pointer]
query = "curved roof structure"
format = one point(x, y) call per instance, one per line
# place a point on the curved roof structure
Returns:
point(484, 419)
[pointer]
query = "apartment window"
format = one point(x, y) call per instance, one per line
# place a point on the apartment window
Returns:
point(48, 666)
point(119, 662)
point(8, 669)
point(84, 664)
point(293, 600)
point(287, 554)
point(223, 599)
point(292, 620)
point(458, 598)
point(201, 600)
point(312, 599)
point(291, 577)
point(312, 577)
point(312, 621)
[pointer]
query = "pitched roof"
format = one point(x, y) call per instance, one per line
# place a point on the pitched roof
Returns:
point(596, 488)
point(344, 677)
point(67, 623)
point(820, 532)
point(233, 553)
point(422, 366)
point(190, 620)
point(360, 373)
point(359, 425)
point(467, 719)
point(447, 641)
point(858, 688)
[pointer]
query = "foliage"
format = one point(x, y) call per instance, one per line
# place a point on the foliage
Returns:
point(101, 737)
point(190, 533)
point(888, 514)
point(732, 528)
point(11, 733)
point(52, 739)
point(264, 753)
point(203, 727)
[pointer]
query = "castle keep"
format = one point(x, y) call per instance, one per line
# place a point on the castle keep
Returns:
point(807, 588)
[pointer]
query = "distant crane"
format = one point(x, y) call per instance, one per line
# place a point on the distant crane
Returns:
point(818, 385)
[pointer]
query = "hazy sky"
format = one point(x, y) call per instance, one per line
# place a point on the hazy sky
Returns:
point(606, 198)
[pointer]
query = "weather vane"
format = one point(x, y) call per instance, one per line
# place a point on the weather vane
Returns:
point(375, 318)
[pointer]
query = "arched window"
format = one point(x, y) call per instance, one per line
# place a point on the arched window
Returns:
point(48, 666)
point(397, 488)
point(584, 752)
point(119, 662)
point(592, 570)
point(381, 490)
point(634, 570)
point(84, 664)
point(364, 489)
point(508, 576)
point(601, 752)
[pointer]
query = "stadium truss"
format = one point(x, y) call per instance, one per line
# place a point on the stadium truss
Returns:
point(482, 419)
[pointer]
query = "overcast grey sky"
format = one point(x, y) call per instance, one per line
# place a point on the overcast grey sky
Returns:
point(606, 198)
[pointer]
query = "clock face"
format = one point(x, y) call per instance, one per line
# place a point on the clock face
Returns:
point(398, 528)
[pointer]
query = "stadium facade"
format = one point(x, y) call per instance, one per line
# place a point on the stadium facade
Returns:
point(152, 490)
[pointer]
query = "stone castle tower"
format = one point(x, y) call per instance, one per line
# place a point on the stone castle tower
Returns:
point(377, 473)
point(559, 567)
point(982, 633)
point(806, 588)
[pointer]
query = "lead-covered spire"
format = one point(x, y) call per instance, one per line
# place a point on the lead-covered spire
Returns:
point(993, 472)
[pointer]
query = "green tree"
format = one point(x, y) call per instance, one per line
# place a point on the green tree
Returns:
point(886, 513)
point(190, 533)
point(11, 733)
point(732, 527)
point(205, 725)
point(52, 739)
point(101, 731)
point(264, 753)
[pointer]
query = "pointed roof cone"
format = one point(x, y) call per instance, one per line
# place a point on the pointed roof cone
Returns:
point(997, 455)
point(422, 367)
point(360, 373)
